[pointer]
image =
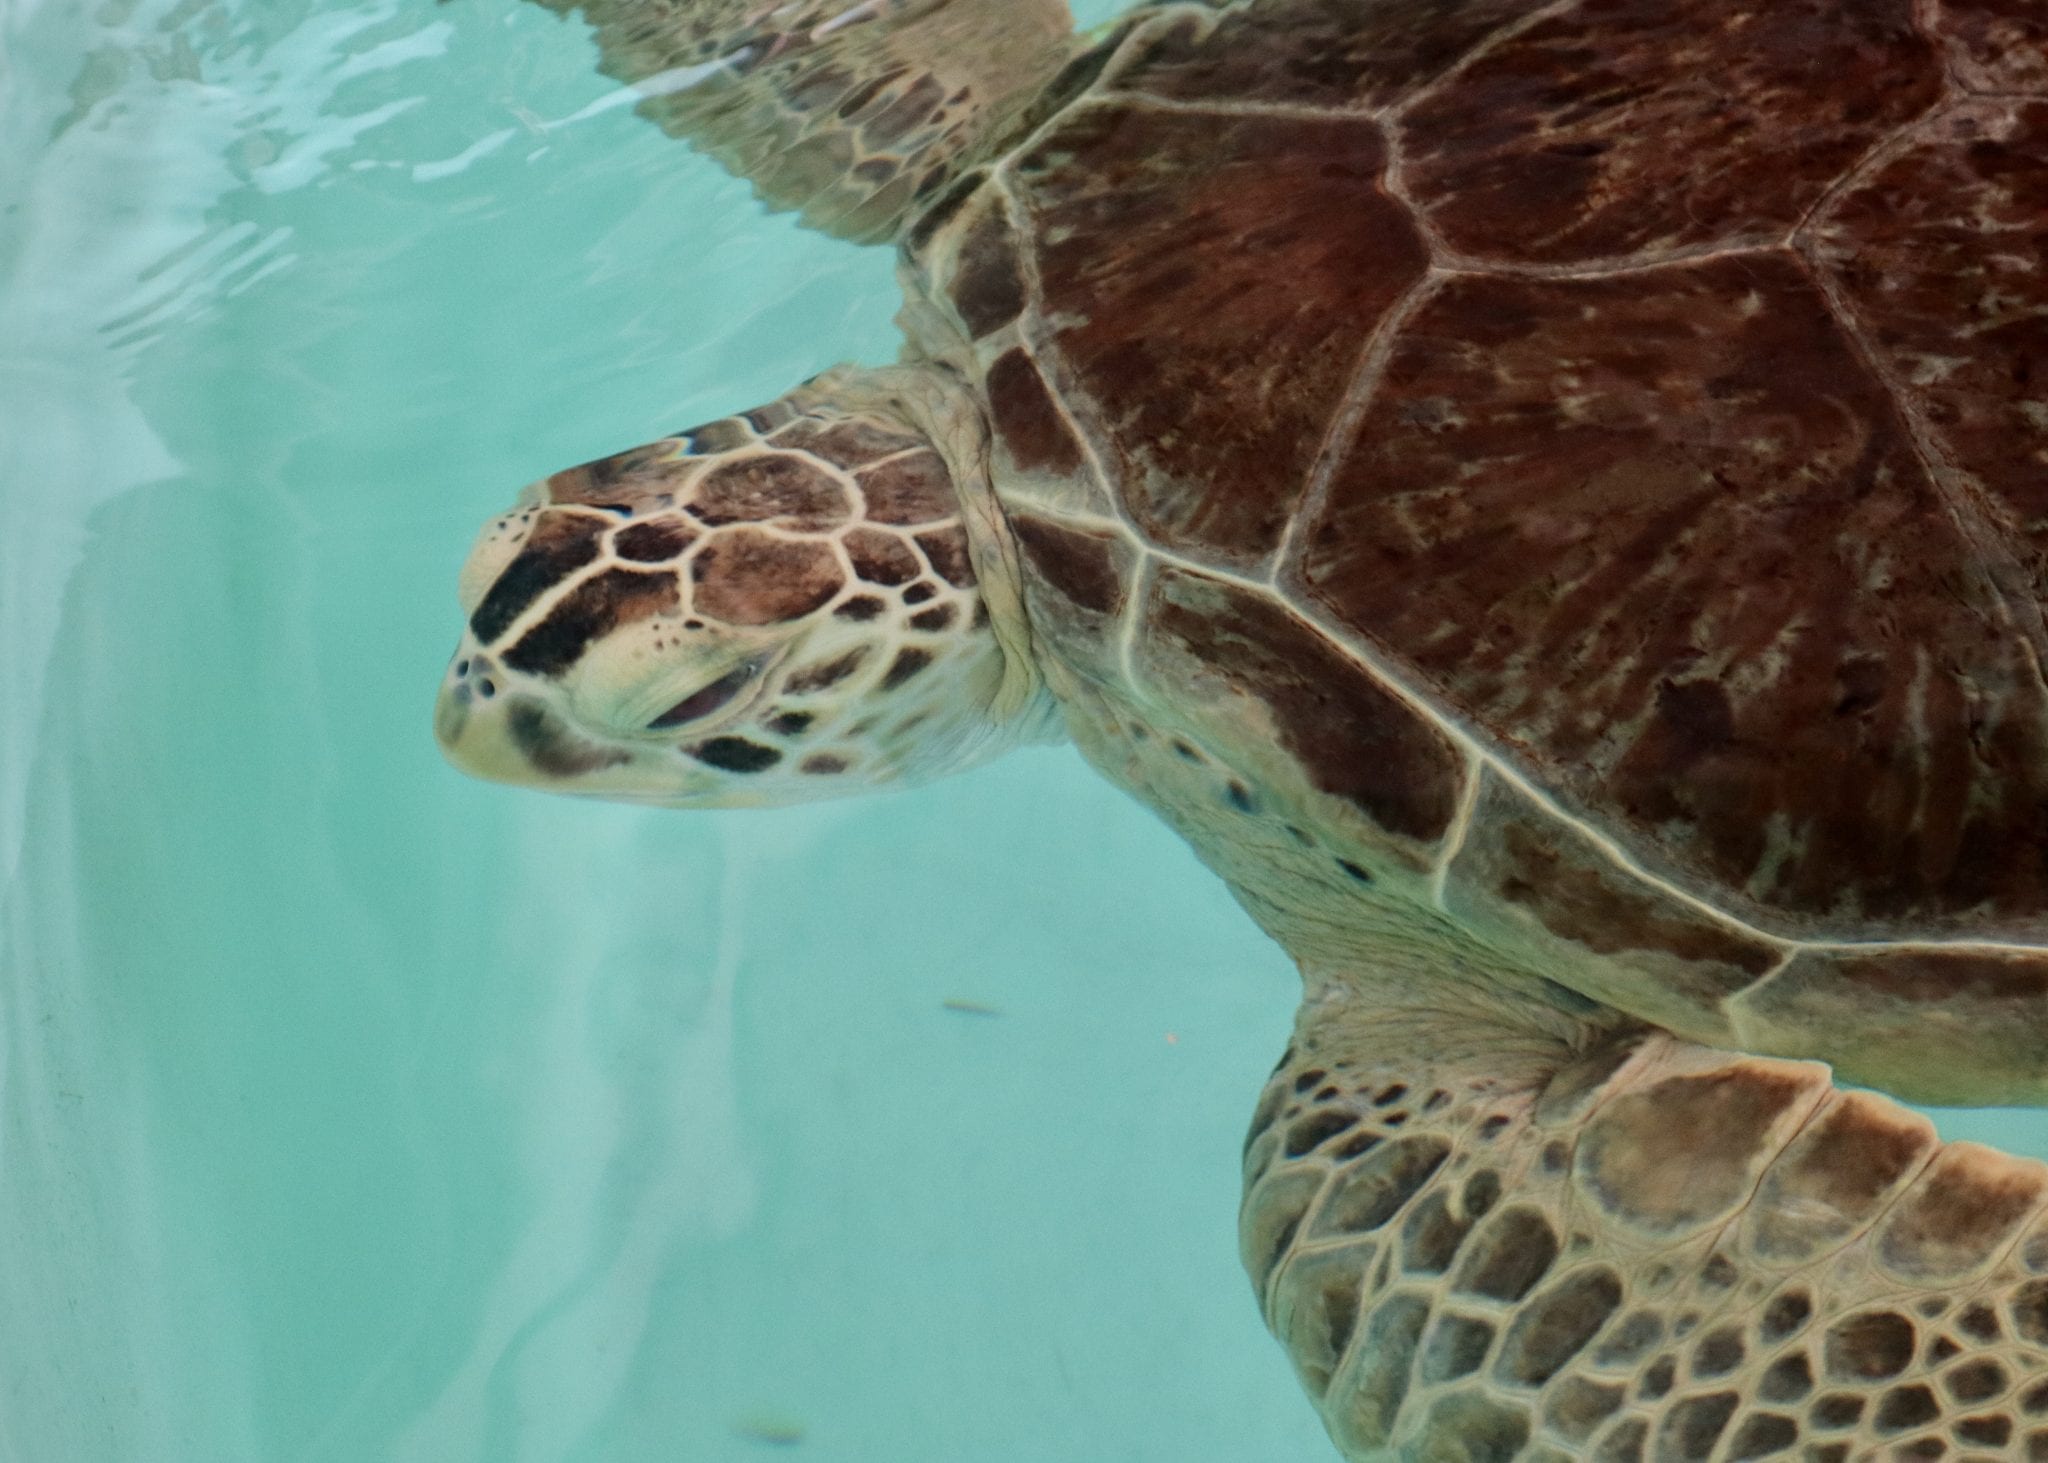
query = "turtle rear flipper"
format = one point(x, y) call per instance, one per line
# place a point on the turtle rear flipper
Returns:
point(1648, 1249)
point(846, 110)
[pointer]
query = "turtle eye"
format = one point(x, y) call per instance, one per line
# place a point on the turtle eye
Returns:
point(703, 702)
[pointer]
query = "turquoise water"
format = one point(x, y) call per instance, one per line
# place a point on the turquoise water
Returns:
point(350, 1110)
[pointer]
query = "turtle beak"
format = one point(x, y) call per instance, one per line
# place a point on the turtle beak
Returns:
point(488, 727)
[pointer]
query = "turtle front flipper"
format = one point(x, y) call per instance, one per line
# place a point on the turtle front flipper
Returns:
point(847, 110)
point(1645, 1249)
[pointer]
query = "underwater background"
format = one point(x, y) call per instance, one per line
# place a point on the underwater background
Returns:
point(351, 1110)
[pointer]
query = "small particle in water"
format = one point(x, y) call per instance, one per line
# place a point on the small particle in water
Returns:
point(1173, 1038)
point(774, 1432)
point(970, 1008)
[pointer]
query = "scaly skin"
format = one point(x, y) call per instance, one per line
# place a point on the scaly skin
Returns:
point(777, 607)
point(1642, 1248)
point(850, 111)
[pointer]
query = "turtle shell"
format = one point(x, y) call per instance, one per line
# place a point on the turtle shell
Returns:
point(1611, 440)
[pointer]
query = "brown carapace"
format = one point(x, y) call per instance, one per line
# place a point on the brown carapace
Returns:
point(1608, 441)
point(1551, 500)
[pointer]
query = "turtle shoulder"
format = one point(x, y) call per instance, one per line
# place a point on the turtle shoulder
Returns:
point(1607, 445)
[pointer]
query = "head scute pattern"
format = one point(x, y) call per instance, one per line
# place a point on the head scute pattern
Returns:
point(1547, 500)
point(795, 575)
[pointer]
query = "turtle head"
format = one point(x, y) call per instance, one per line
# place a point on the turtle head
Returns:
point(775, 607)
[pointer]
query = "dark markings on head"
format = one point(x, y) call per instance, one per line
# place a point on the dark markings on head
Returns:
point(771, 486)
point(824, 764)
point(596, 607)
point(1185, 752)
point(860, 607)
point(561, 543)
point(938, 617)
point(946, 549)
point(775, 414)
point(750, 577)
point(551, 747)
point(907, 664)
point(791, 723)
point(1240, 797)
point(823, 677)
point(1354, 871)
point(913, 489)
point(849, 442)
point(642, 474)
point(735, 754)
point(917, 594)
point(881, 558)
point(723, 435)
point(652, 543)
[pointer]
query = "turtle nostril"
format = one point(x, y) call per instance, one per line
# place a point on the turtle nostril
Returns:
point(703, 702)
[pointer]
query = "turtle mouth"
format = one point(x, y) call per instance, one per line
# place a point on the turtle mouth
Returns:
point(717, 702)
point(706, 699)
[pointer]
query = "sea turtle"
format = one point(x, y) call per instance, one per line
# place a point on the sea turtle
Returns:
point(1550, 500)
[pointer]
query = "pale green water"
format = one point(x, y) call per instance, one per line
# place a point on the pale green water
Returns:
point(353, 1111)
